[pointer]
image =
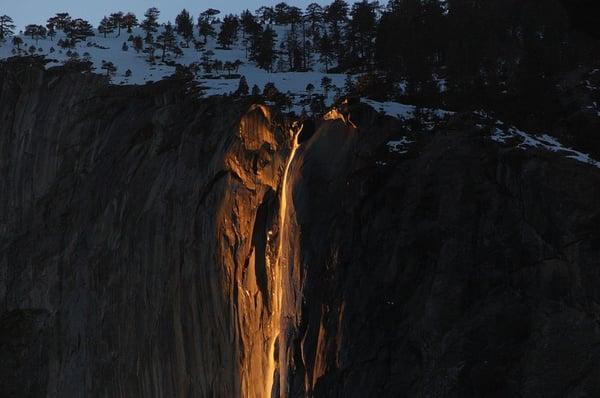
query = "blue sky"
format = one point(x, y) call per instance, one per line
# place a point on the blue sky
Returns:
point(37, 11)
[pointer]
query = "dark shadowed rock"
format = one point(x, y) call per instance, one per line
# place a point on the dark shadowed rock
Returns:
point(461, 268)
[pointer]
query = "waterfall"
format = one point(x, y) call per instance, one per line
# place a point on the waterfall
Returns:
point(277, 293)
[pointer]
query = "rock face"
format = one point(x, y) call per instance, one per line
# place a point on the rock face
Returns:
point(128, 261)
point(458, 269)
point(142, 253)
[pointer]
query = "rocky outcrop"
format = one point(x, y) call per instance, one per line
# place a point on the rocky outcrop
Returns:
point(142, 251)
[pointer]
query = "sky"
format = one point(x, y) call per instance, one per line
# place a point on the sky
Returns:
point(25, 12)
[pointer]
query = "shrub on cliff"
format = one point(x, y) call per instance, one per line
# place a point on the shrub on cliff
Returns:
point(109, 67)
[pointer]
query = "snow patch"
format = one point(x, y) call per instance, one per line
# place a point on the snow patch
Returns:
point(403, 111)
point(399, 146)
point(544, 142)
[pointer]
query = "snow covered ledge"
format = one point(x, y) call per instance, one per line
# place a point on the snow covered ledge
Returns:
point(501, 133)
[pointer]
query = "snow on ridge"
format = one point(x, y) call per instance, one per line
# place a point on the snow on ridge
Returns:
point(544, 141)
point(403, 111)
point(110, 49)
point(501, 133)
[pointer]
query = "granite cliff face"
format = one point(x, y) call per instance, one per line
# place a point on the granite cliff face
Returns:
point(128, 245)
point(157, 245)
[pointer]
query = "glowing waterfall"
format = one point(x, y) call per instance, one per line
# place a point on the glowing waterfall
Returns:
point(277, 294)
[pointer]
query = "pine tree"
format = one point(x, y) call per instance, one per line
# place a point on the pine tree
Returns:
point(307, 52)
point(185, 25)
point(78, 30)
point(270, 91)
point(282, 13)
point(150, 23)
point(60, 20)
point(326, 51)
point(166, 40)
point(210, 15)
point(314, 16)
point(228, 33)
point(205, 28)
point(291, 45)
point(317, 104)
point(105, 27)
point(263, 51)
point(336, 14)
point(349, 86)
point(109, 67)
point(284, 101)
point(326, 85)
point(248, 23)
point(236, 64)
point(36, 32)
point(266, 15)
point(250, 28)
point(206, 61)
point(362, 30)
point(51, 30)
point(17, 41)
point(255, 91)
point(295, 17)
point(7, 27)
point(116, 20)
point(129, 21)
point(228, 66)
point(243, 88)
point(149, 39)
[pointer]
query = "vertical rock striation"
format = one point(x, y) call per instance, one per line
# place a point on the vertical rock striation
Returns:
point(134, 244)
